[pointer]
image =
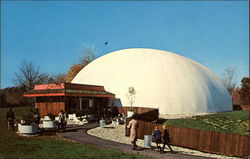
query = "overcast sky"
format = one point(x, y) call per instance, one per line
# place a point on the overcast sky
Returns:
point(51, 34)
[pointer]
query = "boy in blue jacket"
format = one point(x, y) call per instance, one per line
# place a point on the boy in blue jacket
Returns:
point(157, 136)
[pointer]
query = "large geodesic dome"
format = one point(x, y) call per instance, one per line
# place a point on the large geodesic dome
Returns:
point(164, 80)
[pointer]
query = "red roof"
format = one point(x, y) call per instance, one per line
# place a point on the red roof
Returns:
point(68, 89)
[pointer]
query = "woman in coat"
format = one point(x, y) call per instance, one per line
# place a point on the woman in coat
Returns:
point(133, 125)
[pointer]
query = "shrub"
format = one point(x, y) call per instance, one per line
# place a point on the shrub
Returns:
point(80, 113)
point(28, 119)
point(51, 116)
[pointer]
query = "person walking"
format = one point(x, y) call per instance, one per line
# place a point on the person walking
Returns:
point(166, 139)
point(157, 136)
point(10, 116)
point(61, 121)
point(133, 125)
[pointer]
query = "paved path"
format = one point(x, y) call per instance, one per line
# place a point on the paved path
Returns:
point(79, 134)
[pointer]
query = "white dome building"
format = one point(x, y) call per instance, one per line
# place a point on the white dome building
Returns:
point(164, 80)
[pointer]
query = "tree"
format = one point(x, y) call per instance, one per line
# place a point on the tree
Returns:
point(245, 91)
point(87, 55)
point(72, 72)
point(229, 79)
point(29, 75)
point(58, 78)
point(3, 102)
point(131, 96)
point(13, 96)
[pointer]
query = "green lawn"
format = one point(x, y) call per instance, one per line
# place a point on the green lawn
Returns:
point(14, 146)
point(235, 122)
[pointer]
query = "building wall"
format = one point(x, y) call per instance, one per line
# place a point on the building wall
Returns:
point(69, 105)
point(50, 107)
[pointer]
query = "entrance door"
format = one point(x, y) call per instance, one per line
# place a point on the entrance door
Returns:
point(86, 103)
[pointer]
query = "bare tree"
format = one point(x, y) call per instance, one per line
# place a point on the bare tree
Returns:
point(87, 55)
point(58, 78)
point(29, 75)
point(229, 79)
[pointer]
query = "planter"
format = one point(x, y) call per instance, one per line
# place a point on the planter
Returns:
point(46, 118)
point(130, 113)
point(28, 129)
point(147, 140)
point(71, 116)
point(102, 123)
point(90, 117)
point(49, 124)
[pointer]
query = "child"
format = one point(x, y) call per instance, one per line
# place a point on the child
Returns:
point(157, 136)
point(166, 139)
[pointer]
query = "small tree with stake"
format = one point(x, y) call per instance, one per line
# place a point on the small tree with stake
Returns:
point(131, 96)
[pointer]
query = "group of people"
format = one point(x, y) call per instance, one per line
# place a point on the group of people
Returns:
point(61, 119)
point(162, 138)
point(158, 136)
point(10, 117)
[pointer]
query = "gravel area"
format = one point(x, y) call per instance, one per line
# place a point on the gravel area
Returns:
point(116, 133)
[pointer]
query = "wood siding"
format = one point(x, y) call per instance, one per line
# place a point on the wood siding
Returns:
point(50, 107)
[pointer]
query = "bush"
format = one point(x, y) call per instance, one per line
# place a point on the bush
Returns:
point(80, 113)
point(28, 119)
point(51, 116)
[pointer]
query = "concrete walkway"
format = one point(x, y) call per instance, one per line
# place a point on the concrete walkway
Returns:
point(79, 134)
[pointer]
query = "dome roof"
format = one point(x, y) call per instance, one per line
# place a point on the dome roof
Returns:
point(164, 80)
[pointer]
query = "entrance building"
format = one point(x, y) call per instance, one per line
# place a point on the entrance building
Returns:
point(71, 98)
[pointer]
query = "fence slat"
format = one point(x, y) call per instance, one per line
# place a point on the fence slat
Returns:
point(193, 138)
point(246, 146)
point(215, 142)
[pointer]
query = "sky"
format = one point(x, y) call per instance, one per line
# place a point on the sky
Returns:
point(51, 34)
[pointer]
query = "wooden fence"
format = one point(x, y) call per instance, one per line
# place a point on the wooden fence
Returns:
point(203, 140)
point(145, 114)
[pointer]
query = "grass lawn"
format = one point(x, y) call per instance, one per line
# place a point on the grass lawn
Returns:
point(14, 146)
point(235, 122)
